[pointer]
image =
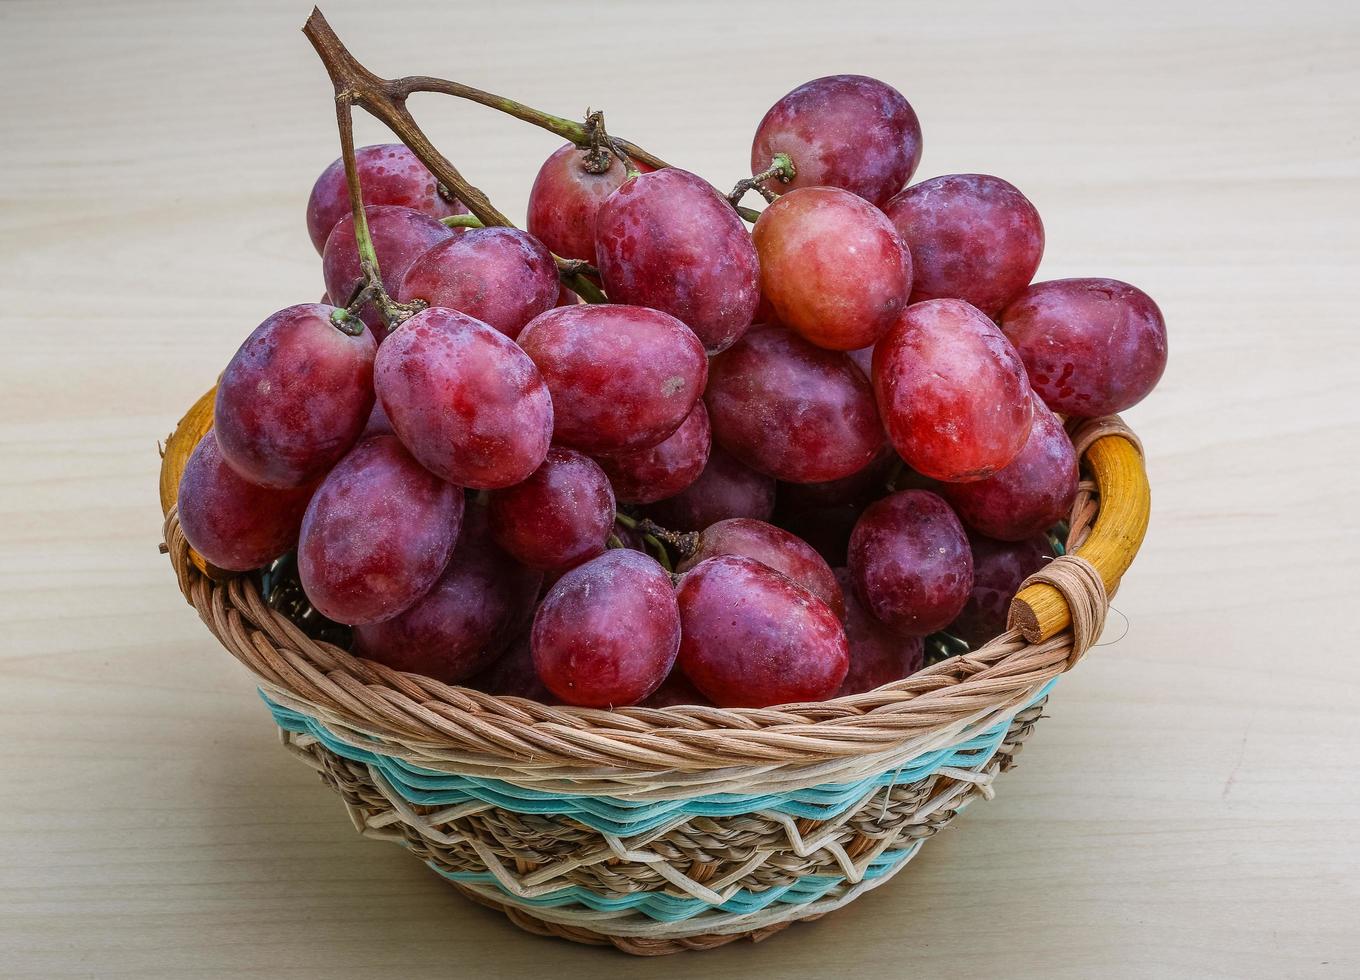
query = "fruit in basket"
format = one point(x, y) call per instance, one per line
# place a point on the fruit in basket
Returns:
point(295, 396)
point(377, 534)
point(607, 633)
point(558, 517)
point(400, 236)
point(1092, 346)
point(770, 546)
point(878, 656)
point(846, 131)
point(644, 476)
point(998, 569)
point(726, 488)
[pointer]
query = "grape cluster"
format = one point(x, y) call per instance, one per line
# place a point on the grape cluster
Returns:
point(762, 472)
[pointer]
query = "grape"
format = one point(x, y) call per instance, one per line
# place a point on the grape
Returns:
point(378, 423)
point(724, 489)
point(646, 475)
point(230, 521)
point(858, 488)
point(825, 527)
point(972, 237)
point(832, 266)
point(774, 547)
point(295, 397)
point(676, 690)
point(400, 236)
point(377, 534)
point(1092, 346)
point(608, 632)
point(557, 518)
point(501, 276)
point(667, 240)
point(621, 377)
point(465, 400)
point(564, 200)
point(910, 562)
point(513, 675)
point(629, 537)
point(878, 656)
point(845, 131)
point(389, 173)
point(466, 620)
point(998, 569)
point(1029, 494)
point(792, 410)
point(751, 637)
point(953, 392)
point(864, 360)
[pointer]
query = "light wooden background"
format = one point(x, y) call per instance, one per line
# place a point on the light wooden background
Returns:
point(1192, 807)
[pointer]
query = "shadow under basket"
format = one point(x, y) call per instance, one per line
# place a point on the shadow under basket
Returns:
point(659, 830)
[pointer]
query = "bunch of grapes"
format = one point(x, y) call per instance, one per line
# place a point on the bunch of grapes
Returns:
point(769, 465)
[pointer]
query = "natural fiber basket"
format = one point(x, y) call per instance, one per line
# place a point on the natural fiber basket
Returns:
point(658, 830)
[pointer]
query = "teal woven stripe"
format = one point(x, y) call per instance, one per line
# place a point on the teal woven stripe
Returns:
point(628, 817)
point(673, 908)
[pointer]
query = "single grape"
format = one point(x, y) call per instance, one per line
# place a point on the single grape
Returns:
point(910, 561)
point(295, 397)
point(377, 534)
point(608, 632)
point(676, 690)
point(858, 488)
point(953, 392)
point(752, 637)
point(501, 276)
point(621, 377)
point(559, 517)
point(565, 198)
point(513, 675)
point(1029, 494)
point(845, 131)
point(400, 236)
point(667, 240)
point(998, 569)
point(878, 656)
point(483, 599)
point(389, 173)
point(643, 476)
point(972, 237)
point(465, 399)
point(832, 266)
point(1092, 346)
point(792, 410)
point(724, 489)
point(233, 523)
point(774, 547)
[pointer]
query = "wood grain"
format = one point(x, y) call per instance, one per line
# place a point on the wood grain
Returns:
point(1191, 808)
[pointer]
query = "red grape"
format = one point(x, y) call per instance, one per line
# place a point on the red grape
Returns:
point(910, 561)
point(501, 276)
point(998, 569)
point(400, 236)
point(294, 397)
point(646, 475)
point(564, 200)
point(953, 392)
point(667, 240)
point(377, 534)
point(845, 131)
point(1092, 346)
point(621, 377)
point(230, 521)
point(792, 410)
point(465, 399)
point(513, 675)
point(878, 656)
point(724, 489)
point(1029, 494)
point(832, 266)
point(561, 515)
point(466, 620)
point(751, 637)
point(608, 632)
point(675, 690)
point(972, 237)
point(774, 547)
point(389, 173)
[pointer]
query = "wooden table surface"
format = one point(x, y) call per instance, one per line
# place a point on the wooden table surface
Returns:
point(1192, 806)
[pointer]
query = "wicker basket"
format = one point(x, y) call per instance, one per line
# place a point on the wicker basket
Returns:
point(659, 830)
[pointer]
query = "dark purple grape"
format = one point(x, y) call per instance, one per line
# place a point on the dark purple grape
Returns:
point(377, 534)
point(910, 562)
point(1092, 346)
point(676, 690)
point(513, 675)
point(608, 632)
point(559, 517)
point(774, 547)
point(295, 397)
point(826, 528)
point(878, 656)
point(724, 489)
point(647, 475)
point(998, 569)
point(667, 240)
point(465, 399)
point(858, 488)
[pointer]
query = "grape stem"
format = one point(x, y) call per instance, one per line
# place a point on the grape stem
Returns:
point(601, 144)
point(781, 168)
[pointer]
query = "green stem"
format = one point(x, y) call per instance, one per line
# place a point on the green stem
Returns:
point(462, 221)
